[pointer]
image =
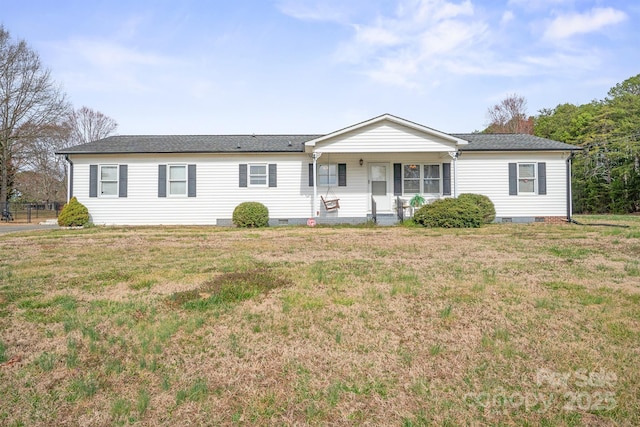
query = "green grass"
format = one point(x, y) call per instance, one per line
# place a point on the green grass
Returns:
point(228, 288)
point(198, 391)
point(3, 352)
point(324, 326)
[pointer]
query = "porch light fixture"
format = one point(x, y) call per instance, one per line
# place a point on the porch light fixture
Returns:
point(361, 162)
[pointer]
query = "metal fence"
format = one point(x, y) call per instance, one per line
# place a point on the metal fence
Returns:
point(29, 212)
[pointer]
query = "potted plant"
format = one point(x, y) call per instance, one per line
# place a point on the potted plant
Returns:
point(417, 201)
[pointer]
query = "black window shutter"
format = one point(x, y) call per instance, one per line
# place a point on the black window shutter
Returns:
point(122, 180)
point(513, 179)
point(446, 179)
point(273, 175)
point(162, 180)
point(243, 175)
point(191, 180)
point(342, 174)
point(542, 178)
point(93, 180)
point(70, 180)
point(397, 179)
point(310, 174)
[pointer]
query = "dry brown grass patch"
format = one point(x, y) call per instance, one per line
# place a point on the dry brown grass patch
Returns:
point(348, 326)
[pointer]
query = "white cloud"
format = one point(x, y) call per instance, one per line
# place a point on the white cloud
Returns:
point(106, 54)
point(425, 41)
point(417, 39)
point(507, 17)
point(565, 26)
point(437, 10)
point(539, 4)
point(376, 36)
point(314, 10)
point(107, 65)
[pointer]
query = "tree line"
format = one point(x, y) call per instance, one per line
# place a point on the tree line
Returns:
point(36, 120)
point(606, 171)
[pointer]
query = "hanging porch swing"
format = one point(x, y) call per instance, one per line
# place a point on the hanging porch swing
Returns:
point(330, 201)
point(330, 204)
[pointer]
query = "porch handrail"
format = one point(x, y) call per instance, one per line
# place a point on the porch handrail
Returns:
point(400, 208)
point(374, 210)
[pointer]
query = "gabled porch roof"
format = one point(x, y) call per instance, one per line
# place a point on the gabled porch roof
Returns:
point(385, 133)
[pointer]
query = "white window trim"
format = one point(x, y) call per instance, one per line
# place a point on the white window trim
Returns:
point(534, 179)
point(266, 175)
point(101, 181)
point(169, 180)
point(331, 178)
point(421, 178)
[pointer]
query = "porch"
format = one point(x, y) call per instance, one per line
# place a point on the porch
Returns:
point(346, 185)
point(374, 167)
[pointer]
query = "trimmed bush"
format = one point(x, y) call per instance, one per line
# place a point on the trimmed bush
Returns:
point(73, 214)
point(251, 214)
point(449, 213)
point(485, 204)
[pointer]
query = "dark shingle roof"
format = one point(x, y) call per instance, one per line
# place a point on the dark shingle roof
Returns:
point(285, 143)
point(510, 142)
point(193, 144)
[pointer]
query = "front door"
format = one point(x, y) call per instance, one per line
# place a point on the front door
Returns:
point(379, 186)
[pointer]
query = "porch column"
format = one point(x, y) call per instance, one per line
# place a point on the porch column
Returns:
point(315, 156)
point(455, 175)
point(454, 156)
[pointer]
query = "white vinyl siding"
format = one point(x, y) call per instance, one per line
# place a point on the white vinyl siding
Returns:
point(217, 195)
point(488, 174)
point(385, 137)
point(218, 192)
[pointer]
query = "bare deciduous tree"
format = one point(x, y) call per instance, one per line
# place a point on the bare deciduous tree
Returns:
point(89, 125)
point(29, 101)
point(510, 116)
point(42, 173)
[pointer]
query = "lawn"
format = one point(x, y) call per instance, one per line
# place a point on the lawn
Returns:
point(504, 325)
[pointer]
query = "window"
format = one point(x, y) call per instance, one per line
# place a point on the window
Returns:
point(327, 174)
point(411, 179)
point(109, 180)
point(258, 175)
point(421, 179)
point(431, 182)
point(177, 180)
point(527, 178)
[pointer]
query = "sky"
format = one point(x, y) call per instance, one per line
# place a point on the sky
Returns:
point(316, 66)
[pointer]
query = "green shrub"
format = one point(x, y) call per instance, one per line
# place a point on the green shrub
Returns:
point(251, 214)
point(73, 214)
point(449, 213)
point(485, 204)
